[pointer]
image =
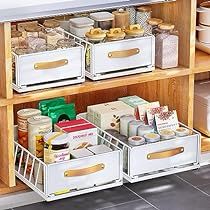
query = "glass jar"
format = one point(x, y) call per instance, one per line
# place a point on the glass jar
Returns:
point(166, 47)
point(33, 31)
point(154, 22)
point(132, 14)
point(65, 43)
point(44, 48)
point(35, 42)
point(142, 16)
point(52, 32)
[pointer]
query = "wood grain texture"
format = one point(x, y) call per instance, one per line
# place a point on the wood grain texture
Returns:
point(7, 172)
point(202, 62)
point(202, 76)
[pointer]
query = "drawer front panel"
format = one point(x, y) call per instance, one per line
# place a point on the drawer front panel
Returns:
point(124, 54)
point(163, 155)
point(83, 173)
point(49, 66)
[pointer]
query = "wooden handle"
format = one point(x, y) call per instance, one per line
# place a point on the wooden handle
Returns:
point(124, 53)
point(84, 171)
point(165, 154)
point(50, 65)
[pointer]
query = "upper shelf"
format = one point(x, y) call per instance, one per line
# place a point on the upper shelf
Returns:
point(202, 62)
point(12, 10)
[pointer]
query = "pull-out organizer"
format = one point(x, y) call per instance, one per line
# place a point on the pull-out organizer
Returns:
point(119, 58)
point(48, 69)
point(162, 158)
point(74, 177)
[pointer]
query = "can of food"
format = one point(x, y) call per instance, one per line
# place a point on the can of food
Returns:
point(124, 121)
point(136, 140)
point(133, 127)
point(22, 119)
point(38, 127)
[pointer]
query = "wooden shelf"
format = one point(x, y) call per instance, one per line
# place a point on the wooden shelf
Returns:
point(4, 189)
point(205, 144)
point(89, 86)
point(202, 62)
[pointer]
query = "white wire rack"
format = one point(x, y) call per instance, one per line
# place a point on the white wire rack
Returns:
point(38, 175)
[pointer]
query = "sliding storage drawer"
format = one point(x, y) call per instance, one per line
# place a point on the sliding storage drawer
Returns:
point(119, 58)
point(73, 177)
point(161, 158)
point(49, 68)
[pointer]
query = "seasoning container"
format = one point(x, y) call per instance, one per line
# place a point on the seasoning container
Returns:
point(152, 137)
point(124, 121)
point(102, 20)
point(154, 22)
point(33, 31)
point(22, 120)
point(136, 140)
point(99, 149)
point(115, 34)
point(56, 147)
point(145, 129)
point(65, 43)
point(166, 47)
point(38, 127)
point(80, 26)
point(142, 16)
point(134, 31)
point(53, 32)
point(34, 42)
point(81, 153)
point(132, 15)
point(121, 19)
point(95, 35)
point(44, 48)
point(167, 134)
point(133, 127)
point(16, 39)
point(181, 132)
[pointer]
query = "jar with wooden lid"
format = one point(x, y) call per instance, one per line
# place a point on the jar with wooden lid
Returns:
point(134, 31)
point(33, 31)
point(18, 41)
point(154, 22)
point(65, 43)
point(143, 14)
point(115, 34)
point(121, 19)
point(166, 47)
point(96, 35)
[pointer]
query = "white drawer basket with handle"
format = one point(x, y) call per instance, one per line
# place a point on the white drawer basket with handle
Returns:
point(74, 177)
point(48, 69)
point(119, 58)
point(161, 158)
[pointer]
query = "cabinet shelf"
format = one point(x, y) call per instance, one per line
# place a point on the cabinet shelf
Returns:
point(202, 62)
point(90, 86)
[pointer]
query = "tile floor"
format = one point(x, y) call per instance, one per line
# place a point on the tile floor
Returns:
point(185, 191)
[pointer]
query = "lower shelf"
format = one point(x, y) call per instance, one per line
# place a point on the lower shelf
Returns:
point(4, 189)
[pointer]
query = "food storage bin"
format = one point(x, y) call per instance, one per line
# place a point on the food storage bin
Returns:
point(73, 177)
point(202, 107)
point(161, 158)
point(45, 69)
point(119, 57)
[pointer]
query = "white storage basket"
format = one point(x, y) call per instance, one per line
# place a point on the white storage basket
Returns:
point(161, 158)
point(74, 177)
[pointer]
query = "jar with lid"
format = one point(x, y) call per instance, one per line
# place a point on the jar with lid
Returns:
point(95, 35)
point(166, 47)
point(121, 19)
point(65, 43)
point(102, 20)
point(143, 14)
point(52, 32)
point(56, 147)
point(154, 22)
point(33, 31)
point(44, 48)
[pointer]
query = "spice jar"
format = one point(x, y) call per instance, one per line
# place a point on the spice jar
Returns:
point(95, 35)
point(115, 34)
point(56, 147)
point(166, 47)
point(167, 134)
point(154, 22)
point(152, 137)
point(136, 140)
point(134, 31)
point(142, 16)
point(132, 14)
point(65, 43)
point(181, 132)
point(52, 32)
point(44, 48)
point(121, 19)
point(33, 31)
point(102, 20)
point(80, 26)
point(16, 39)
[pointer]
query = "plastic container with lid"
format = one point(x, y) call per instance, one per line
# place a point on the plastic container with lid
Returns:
point(167, 134)
point(154, 22)
point(181, 132)
point(152, 137)
point(133, 127)
point(143, 14)
point(81, 25)
point(102, 20)
point(136, 140)
point(166, 46)
point(56, 147)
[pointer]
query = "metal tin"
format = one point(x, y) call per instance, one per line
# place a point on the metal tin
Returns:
point(22, 119)
point(145, 129)
point(38, 127)
point(152, 137)
point(136, 140)
point(133, 127)
point(181, 132)
point(124, 122)
point(167, 134)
